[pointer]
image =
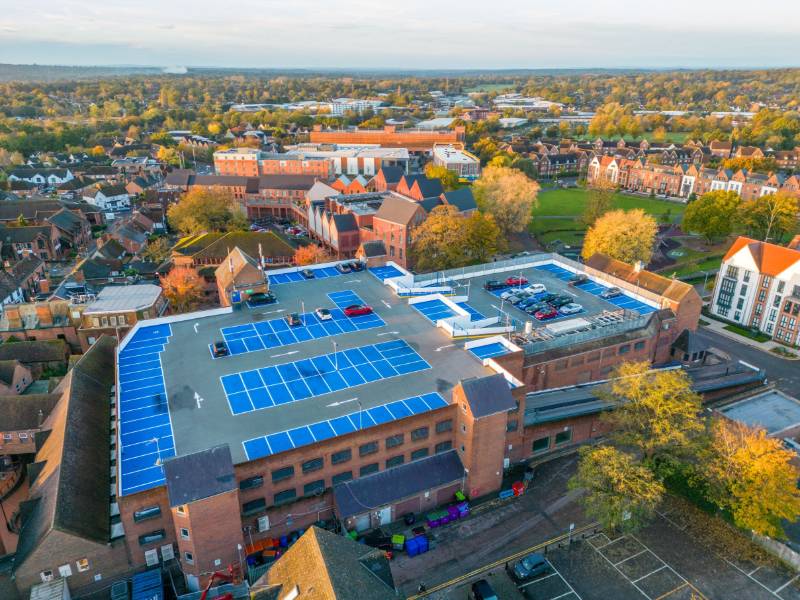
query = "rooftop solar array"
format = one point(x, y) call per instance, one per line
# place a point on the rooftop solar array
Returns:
point(310, 377)
point(322, 430)
point(145, 428)
point(595, 289)
point(252, 337)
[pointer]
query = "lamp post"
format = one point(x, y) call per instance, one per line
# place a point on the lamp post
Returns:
point(158, 452)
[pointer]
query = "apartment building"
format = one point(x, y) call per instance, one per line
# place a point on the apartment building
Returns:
point(758, 286)
point(417, 141)
point(465, 164)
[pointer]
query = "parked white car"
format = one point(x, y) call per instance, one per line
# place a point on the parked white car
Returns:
point(535, 288)
point(570, 309)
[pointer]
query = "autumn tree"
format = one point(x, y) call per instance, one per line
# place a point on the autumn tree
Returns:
point(508, 195)
point(157, 250)
point(752, 476)
point(621, 494)
point(447, 239)
point(206, 210)
point(770, 216)
point(655, 412)
point(627, 236)
point(712, 215)
point(183, 289)
point(309, 255)
point(598, 201)
point(448, 178)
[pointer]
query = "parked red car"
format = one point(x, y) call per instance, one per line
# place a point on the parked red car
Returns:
point(546, 313)
point(514, 280)
point(356, 310)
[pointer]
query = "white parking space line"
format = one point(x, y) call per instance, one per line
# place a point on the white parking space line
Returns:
point(572, 589)
point(553, 574)
point(631, 556)
point(785, 584)
point(664, 566)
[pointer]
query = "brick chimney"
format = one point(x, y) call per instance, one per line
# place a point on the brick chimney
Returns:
point(44, 315)
point(44, 285)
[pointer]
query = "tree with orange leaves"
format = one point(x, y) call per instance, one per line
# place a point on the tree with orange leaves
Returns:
point(308, 255)
point(183, 289)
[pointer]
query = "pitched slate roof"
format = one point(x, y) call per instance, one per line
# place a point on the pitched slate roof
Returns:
point(392, 174)
point(461, 198)
point(199, 475)
point(373, 248)
point(7, 370)
point(428, 187)
point(396, 209)
point(327, 566)
point(248, 241)
point(113, 190)
point(72, 470)
point(430, 203)
point(34, 351)
point(488, 395)
point(23, 235)
point(770, 259)
point(24, 268)
point(366, 493)
point(67, 220)
point(27, 411)
point(345, 222)
point(8, 285)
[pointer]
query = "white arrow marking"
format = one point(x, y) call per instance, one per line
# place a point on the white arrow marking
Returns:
point(198, 399)
point(195, 327)
point(386, 304)
point(340, 402)
point(269, 312)
point(353, 281)
point(440, 348)
point(285, 354)
point(388, 333)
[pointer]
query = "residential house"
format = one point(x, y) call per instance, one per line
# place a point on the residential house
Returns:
point(418, 187)
point(74, 230)
point(40, 177)
point(30, 275)
point(387, 179)
point(140, 184)
point(720, 149)
point(38, 356)
point(11, 291)
point(749, 152)
point(393, 224)
point(117, 308)
point(241, 273)
point(23, 416)
point(110, 198)
point(15, 377)
point(42, 241)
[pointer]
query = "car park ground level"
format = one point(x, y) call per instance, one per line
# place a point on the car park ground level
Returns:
point(670, 559)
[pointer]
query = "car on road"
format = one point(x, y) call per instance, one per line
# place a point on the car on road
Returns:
point(570, 309)
point(611, 292)
point(260, 298)
point(293, 319)
point(481, 590)
point(528, 567)
point(344, 268)
point(494, 284)
point(516, 280)
point(546, 313)
point(220, 349)
point(323, 314)
point(578, 279)
point(307, 273)
point(357, 310)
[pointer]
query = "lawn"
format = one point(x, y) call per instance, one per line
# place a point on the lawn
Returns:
point(571, 202)
point(749, 333)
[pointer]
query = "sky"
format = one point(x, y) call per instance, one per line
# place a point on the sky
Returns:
point(406, 34)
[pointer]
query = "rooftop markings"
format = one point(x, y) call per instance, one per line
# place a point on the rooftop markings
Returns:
point(489, 350)
point(384, 273)
point(322, 430)
point(295, 276)
point(310, 377)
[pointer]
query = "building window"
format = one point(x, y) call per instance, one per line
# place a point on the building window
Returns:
point(282, 473)
point(395, 440)
point(152, 537)
point(184, 533)
point(443, 447)
point(368, 448)
point(562, 437)
point(314, 488)
point(625, 349)
point(82, 564)
point(341, 456)
point(189, 558)
point(284, 497)
point(639, 346)
point(342, 477)
point(65, 571)
point(512, 425)
point(395, 461)
point(443, 426)
point(181, 509)
point(121, 319)
point(421, 453)
point(95, 322)
point(151, 512)
point(251, 483)
point(368, 469)
point(254, 506)
point(541, 444)
point(46, 576)
point(420, 433)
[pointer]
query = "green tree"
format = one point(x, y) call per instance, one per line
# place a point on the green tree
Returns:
point(770, 217)
point(598, 201)
point(752, 476)
point(206, 210)
point(655, 412)
point(712, 215)
point(448, 178)
point(158, 250)
point(508, 195)
point(621, 494)
point(628, 236)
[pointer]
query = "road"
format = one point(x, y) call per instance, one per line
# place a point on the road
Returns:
point(785, 374)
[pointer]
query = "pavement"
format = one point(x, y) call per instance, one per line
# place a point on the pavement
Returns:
point(783, 373)
point(719, 328)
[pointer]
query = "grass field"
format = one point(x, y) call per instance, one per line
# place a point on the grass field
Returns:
point(571, 202)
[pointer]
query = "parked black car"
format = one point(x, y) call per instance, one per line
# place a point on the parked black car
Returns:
point(528, 567)
point(261, 298)
point(494, 284)
point(481, 590)
point(220, 349)
point(356, 266)
point(578, 279)
point(344, 268)
point(307, 273)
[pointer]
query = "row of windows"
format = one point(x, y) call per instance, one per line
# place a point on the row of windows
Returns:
point(23, 435)
point(543, 443)
point(317, 487)
point(105, 321)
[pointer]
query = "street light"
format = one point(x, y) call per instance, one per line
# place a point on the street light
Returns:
point(158, 452)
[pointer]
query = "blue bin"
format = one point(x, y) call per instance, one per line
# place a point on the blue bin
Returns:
point(422, 543)
point(412, 546)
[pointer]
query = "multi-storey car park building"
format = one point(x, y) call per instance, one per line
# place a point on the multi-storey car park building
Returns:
point(361, 419)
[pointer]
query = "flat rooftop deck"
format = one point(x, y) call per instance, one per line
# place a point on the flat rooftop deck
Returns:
point(772, 410)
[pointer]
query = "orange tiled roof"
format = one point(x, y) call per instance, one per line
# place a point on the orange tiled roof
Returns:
point(771, 259)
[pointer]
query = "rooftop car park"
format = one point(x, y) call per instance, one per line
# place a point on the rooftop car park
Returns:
point(279, 378)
